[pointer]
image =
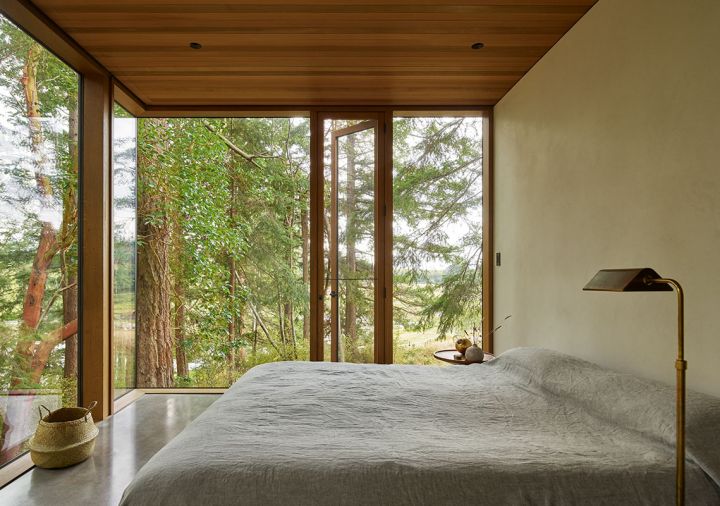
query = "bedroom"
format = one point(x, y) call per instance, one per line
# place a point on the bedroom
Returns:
point(602, 157)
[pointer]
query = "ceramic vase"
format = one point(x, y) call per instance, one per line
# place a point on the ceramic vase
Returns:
point(474, 355)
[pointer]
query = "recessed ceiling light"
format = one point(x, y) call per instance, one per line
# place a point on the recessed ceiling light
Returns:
point(195, 45)
point(478, 45)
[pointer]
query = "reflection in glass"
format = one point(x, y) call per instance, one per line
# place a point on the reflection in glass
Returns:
point(38, 235)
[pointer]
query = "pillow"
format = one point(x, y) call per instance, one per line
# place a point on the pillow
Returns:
point(644, 405)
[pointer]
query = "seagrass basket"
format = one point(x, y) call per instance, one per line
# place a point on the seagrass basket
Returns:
point(63, 437)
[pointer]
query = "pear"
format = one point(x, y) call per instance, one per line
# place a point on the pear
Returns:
point(462, 344)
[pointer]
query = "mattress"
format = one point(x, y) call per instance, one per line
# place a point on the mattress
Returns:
point(531, 427)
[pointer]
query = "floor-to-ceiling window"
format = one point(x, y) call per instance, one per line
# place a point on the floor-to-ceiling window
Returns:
point(222, 247)
point(39, 167)
point(124, 147)
point(437, 233)
point(223, 266)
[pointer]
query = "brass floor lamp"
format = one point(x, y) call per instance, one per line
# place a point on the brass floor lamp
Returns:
point(647, 280)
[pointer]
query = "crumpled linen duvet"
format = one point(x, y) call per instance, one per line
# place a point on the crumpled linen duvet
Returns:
point(531, 427)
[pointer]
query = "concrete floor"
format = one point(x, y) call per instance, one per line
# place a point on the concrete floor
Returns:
point(125, 442)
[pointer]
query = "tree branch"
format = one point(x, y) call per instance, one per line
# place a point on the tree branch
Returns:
point(243, 154)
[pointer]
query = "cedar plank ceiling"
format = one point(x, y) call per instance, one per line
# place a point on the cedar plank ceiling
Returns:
point(321, 52)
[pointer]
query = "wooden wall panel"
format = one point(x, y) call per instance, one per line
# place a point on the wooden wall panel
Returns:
point(95, 251)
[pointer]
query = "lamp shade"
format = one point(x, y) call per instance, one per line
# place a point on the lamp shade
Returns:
point(627, 280)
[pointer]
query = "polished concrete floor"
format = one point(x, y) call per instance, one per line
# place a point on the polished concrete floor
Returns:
point(126, 441)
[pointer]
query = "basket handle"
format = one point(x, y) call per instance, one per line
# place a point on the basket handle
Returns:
point(40, 408)
point(88, 409)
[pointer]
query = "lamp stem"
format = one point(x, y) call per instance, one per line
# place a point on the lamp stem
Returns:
point(680, 367)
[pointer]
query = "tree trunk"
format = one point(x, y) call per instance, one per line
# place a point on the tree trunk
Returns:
point(281, 321)
point(180, 355)
point(154, 332)
point(179, 280)
point(44, 348)
point(68, 233)
point(255, 337)
point(232, 267)
point(305, 232)
point(154, 336)
point(70, 313)
point(230, 357)
point(33, 353)
point(47, 245)
point(351, 253)
point(290, 327)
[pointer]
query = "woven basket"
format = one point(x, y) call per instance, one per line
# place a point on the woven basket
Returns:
point(63, 437)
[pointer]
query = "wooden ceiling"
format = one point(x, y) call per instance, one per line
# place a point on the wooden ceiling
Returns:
point(316, 52)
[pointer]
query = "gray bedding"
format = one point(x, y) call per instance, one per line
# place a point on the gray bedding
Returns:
point(531, 427)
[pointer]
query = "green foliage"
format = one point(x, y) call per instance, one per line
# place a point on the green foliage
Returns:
point(437, 199)
point(237, 256)
point(33, 158)
point(21, 207)
point(236, 192)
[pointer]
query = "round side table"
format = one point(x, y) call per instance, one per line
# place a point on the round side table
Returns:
point(449, 357)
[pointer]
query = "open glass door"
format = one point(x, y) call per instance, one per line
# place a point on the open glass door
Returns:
point(350, 216)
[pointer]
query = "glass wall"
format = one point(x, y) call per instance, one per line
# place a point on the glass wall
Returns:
point(124, 246)
point(223, 248)
point(38, 236)
point(437, 227)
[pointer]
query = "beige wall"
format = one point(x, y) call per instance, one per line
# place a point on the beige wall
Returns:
point(607, 154)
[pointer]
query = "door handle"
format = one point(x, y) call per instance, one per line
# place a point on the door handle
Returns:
point(333, 293)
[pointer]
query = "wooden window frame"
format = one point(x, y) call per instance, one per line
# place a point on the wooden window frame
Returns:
point(100, 89)
point(384, 231)
point(383, 293)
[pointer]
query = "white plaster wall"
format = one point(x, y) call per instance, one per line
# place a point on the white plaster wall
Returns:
point(607, 154)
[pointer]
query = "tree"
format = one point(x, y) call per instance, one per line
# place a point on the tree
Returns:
point(38, 198)
point(48, 89)
point(155, 341)
point(437, 198)
point(235, 198)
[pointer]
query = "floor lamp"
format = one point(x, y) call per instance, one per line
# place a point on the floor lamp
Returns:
point(647, 280)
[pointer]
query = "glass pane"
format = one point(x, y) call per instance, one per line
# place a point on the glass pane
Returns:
point(38, 235)
point(350, 229)
point(223, 247)
point(124, 213)
point(437, 227)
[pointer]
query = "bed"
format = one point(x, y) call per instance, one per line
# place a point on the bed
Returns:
point(530, 427)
